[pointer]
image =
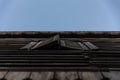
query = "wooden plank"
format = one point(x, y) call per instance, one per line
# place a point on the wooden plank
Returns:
point(37, 44)
point(113, 75)
point(108, 65)
point(115, 62)
point(62, 42)
point(70, 76)
point(91, 46)
point(41, 75)
point(42, 52)
point(105, 55)
point(36, 76)
point(67, 44)
point(68, 68)
point(85, 76)
point(42, 61)
point(61, 75)
point(105, 59)
point(45, 64)
point(16, 75)
point(104, 76)
point(2, 73)
point(42, 57)
point(19, 52)
point(29, 45)
point(83, 46)
point(47, 44)
point(90, 76)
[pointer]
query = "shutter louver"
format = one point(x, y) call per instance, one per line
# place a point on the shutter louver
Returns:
point(29, 45)
point(90, 45)
point(55, 43)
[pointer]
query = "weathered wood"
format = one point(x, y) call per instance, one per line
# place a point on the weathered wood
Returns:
point(48, 43)
point(109, 53)
point(29, 45)
point(2, 74)
point(70, 76)
point(83, 46)
point(47, 64)
point(91, 46)
point(89, 76)
point(40, 52)
point(53, 52)
point(70, 68)
point(61, 75)
point(16, 75)
point(113, 75)
point(41, 75)
point(44, 61)
point(37, 44)
point(70, 45)
point(43, 58)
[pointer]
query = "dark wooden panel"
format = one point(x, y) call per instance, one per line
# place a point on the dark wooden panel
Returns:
point(59, 68)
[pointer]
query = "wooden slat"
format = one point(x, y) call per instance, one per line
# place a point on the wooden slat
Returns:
point(43, 61)
point(80, 56)
point(59, 68)
point(41, 57)
point(43, 64)
point(29, 45)
point(115, 62)
point(83, 46)
point(91, 46)
point(41, 52)
point(37, 44)
point(47, 43)
point(56, 51)
point(2, 73)
point(70, 44)
point(107, 65)
point(105, 55)
point(105, 59)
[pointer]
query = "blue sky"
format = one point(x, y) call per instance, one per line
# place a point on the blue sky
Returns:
point(59, 15)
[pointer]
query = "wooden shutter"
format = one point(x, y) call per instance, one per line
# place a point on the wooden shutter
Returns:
point(84, 47)
point(29, 45)
point(67, 44)
point(51, 43)
point(90, 45)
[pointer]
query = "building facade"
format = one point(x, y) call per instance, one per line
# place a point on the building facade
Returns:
point(60, 55)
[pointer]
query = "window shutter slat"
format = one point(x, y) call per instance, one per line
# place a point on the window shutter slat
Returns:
point(52, 42)
point(83, 46)
point(91, 46)
point(70, 44)
point(29, 45)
